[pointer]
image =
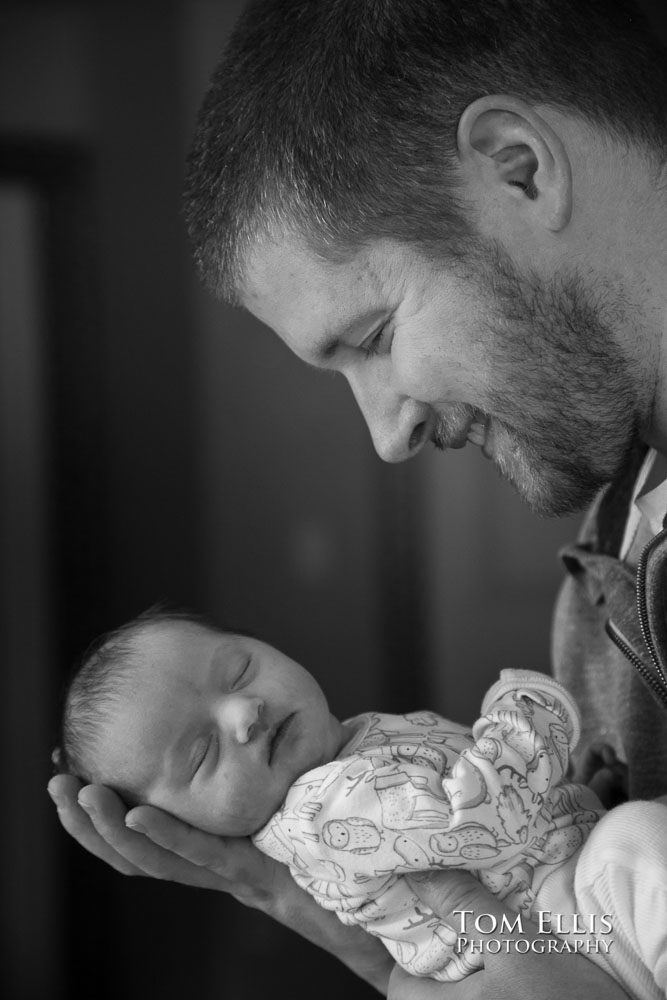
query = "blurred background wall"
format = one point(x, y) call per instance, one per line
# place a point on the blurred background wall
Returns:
point(156, 445)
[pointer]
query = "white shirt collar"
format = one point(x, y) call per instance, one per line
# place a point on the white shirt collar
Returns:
point(648, 506)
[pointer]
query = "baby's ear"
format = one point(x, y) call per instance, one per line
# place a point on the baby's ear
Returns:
point(57, 761)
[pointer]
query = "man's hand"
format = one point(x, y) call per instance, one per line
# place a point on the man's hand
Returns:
point(601, 769)
point(147, 841)
point(505, 976)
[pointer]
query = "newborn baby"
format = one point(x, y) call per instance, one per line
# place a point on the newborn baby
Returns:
point(237, 739)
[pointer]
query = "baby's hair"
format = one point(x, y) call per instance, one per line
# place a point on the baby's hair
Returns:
point(95, 687)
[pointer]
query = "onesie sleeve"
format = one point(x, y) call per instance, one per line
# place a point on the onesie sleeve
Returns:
point(521, 749)
point(348, 831)
point(359, 821)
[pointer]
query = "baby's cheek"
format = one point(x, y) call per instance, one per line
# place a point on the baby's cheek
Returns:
point(248, 802)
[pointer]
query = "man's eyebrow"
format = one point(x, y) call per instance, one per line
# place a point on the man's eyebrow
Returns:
point(328, 348)
point(323, 353)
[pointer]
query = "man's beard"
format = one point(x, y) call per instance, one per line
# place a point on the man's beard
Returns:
point(564, 399)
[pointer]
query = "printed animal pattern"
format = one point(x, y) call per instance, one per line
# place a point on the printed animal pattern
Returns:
point(414, 792)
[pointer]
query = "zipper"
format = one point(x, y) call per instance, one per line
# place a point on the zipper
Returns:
point(657, 684)
point(618, 639)
point(642, 610)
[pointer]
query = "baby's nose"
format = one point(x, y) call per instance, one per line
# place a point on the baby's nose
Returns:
point(246, 717)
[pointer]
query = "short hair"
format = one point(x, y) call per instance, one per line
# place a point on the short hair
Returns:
point(335, 120)
point(96, 686)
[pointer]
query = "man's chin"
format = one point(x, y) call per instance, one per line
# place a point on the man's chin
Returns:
point(550, 506)
point(553, 483)
point(552, 493)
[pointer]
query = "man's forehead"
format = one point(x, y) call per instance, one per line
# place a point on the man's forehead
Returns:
point(276, 264)
point(305, 298)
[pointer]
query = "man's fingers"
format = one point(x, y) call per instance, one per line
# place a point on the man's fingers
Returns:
point(469, 908)
point(232, 864)
point(202, 849)
point(599, 755)
point(158, 845)
point(405, 987)
point(107, 814)
point(64, 790)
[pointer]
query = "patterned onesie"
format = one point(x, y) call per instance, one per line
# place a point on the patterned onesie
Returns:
point(413, 792)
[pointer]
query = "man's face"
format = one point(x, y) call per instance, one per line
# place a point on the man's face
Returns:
point(214, 728)
point(462, 352)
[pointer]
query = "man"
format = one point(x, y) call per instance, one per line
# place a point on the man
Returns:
point(460, 205)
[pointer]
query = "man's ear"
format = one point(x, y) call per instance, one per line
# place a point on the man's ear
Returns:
point(509, 152)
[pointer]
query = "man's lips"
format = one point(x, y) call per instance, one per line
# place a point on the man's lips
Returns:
point(472, 430)
point(459, 440)
point(477, 431)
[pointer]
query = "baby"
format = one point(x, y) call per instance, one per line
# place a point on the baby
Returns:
point(237, 739)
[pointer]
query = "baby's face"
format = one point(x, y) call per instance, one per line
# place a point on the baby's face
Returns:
point(215, 728)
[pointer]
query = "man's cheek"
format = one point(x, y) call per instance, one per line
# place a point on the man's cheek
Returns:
point(423, 377)
point(431, 375)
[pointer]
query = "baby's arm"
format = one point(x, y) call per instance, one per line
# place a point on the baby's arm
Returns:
point(521, 751)
point(348, 830)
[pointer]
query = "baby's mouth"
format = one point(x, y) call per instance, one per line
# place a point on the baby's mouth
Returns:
point(279, 734)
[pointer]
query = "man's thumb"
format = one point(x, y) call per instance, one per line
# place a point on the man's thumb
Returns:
point(465, 905)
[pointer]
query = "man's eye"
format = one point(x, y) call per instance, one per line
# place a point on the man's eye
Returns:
point(375, 342)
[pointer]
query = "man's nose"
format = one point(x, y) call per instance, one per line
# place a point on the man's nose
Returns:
point(399, 425)
point(242, 716)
